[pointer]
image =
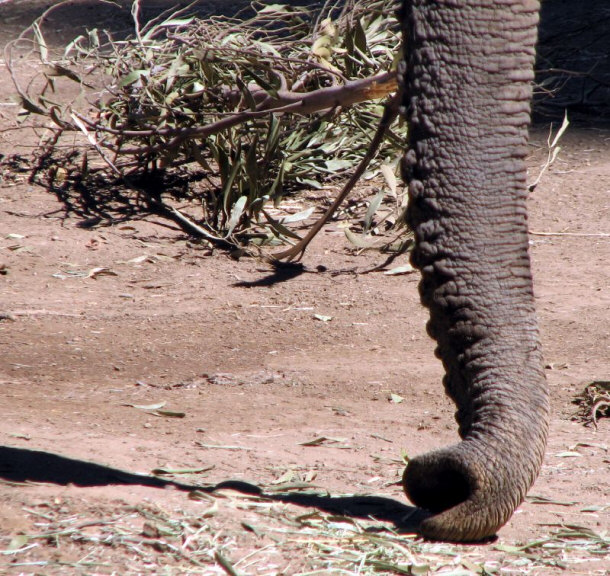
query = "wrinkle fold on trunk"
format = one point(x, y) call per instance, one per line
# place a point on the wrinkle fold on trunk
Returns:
point(467, 86)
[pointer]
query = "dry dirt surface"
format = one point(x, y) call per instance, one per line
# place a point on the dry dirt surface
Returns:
point(136, 367)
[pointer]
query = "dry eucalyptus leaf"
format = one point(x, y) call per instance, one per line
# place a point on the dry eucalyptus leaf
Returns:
point(95, 273)
point(322, 318)
point(405, 269)
point(156, 406)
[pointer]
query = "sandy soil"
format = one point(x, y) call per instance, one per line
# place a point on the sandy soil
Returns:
point(256, 374)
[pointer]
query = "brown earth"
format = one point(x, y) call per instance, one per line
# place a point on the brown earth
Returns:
point(257, 374)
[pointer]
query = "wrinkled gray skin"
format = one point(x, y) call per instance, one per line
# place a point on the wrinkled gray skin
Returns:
point(467, 87)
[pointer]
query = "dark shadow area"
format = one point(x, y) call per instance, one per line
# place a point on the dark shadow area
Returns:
point(21, 465)
point(282, 272)
point(65, 21)
point(573, 61)
point(405, 518)
point(104, 201)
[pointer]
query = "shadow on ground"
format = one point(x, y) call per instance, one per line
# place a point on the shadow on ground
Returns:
point(62, 21)
point(20, 465)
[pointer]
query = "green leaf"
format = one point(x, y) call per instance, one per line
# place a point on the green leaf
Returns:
point(543, 500)
point(132, 77)
point(236, 212)
point(310, 182)
point(595, 508)
point(279, 228)
point(303, 215)
point(262, 82)
point(372, 209)
point(275, 191)
point(360, 42)
point(390, 178)
point(273, 136)
point(228, 184)
point(337, 165)
point(253, 169)
point(357, 240)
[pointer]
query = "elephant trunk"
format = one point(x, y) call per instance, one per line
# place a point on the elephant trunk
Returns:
point(467, 87)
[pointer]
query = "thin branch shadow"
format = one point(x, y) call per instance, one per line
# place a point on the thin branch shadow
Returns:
point(22, 465)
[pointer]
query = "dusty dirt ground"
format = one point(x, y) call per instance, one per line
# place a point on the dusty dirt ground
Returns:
point(256, 375)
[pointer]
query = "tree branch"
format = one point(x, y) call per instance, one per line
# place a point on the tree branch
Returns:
point(283, 102)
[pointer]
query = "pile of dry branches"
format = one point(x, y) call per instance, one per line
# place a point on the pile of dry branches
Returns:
point(247, 109)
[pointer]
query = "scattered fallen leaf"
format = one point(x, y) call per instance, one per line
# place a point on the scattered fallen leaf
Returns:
point(390, 178)
point(95, 273)
point(17, 542)
point(322, 318)
point(156, 406)
point(325, 441)
point(381, 438)
point(340, 411)
point(596, 508)
point(288, 476)
point(251, 528)
point(166, 471)
point(17, 248)
point(221, 446)
point(169, 413)
point(405, 269)
point(136, 260)
point(311, 476)
point(289, 486)
point(543, 500)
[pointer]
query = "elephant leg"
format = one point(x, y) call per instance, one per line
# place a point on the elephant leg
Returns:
point(467, 85)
